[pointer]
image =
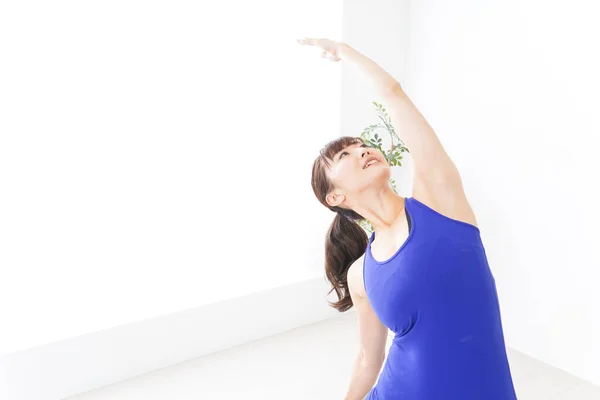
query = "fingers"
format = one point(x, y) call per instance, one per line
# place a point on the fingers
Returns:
point(310, 41)
point(307, 41)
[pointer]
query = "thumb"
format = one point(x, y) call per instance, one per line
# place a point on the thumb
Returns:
point(328, 56)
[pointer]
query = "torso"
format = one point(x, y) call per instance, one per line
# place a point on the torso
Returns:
point(437, 294)
point(385, 246)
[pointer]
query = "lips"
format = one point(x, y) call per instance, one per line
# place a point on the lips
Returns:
point(369, 160)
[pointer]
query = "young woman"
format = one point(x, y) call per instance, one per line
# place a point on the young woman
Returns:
point(423, 273)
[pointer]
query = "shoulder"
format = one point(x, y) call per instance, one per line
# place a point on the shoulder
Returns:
point(355, 278)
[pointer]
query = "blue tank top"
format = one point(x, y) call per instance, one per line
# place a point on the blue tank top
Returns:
point(438, 295)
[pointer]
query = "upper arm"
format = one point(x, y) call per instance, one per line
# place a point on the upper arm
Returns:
point(431, 162)
point(372, 333)
point(437, 181)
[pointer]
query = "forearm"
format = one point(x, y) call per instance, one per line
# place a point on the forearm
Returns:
point(381, 79)
point(363, 379)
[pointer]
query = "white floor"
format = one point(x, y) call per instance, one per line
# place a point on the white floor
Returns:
point(312, 362)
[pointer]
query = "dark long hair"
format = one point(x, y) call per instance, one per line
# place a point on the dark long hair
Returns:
point(345, 241)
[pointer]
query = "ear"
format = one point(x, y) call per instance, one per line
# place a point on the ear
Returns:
point(334, 199)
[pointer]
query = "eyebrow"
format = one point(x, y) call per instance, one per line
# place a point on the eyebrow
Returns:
point(337, 155)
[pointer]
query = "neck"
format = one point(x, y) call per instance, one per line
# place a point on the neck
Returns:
point(382, 209)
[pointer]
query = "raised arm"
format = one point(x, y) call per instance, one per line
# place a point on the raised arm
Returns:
point(431, 161)
point(436, 175)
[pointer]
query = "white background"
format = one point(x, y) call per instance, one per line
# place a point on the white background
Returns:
point(155, 157)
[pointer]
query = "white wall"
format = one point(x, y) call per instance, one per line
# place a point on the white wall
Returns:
point(511, 88)
point(156, 157)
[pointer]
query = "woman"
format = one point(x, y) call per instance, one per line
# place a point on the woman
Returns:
point(423, 273)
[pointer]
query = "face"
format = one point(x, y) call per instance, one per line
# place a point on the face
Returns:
point(350, 177)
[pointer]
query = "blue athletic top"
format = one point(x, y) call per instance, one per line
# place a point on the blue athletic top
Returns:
point(438, 295)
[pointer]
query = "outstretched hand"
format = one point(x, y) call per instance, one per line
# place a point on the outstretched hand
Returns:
point(330, 47)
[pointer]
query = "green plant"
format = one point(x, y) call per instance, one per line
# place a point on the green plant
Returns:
point(393, 155)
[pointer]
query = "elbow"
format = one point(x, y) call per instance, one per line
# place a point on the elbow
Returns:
point(395, 90)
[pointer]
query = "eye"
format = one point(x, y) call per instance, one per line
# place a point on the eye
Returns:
point(363, 145)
